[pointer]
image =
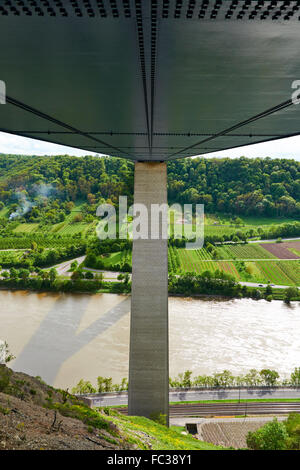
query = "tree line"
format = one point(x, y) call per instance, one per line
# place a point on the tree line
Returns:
point(242, 186)
point(224, 379)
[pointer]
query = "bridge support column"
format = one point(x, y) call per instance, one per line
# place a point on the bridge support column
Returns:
point(148, 393)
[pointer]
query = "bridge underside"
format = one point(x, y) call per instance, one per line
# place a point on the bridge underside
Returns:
point(150, 80)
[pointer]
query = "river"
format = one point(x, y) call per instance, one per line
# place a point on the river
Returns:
point(66, 337)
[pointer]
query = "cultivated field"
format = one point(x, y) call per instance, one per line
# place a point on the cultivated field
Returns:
point(252, 251)
point(282, 250)
point(229, 434)
point(263, 266)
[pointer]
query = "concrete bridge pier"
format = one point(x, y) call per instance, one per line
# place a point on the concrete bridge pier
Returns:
point(148, 393)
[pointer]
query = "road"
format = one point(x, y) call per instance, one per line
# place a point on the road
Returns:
point(63, 268)
point(255, 284)
point(121, 398)
point(274, 240)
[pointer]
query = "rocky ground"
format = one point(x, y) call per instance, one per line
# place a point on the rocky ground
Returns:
point(36, 416)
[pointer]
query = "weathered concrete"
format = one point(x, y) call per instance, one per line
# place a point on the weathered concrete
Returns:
point(148, 392)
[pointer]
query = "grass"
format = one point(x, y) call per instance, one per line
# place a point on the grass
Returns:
point(26, 228)
point(162, 438)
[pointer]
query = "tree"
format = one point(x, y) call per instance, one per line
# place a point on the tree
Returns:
point(78, 218)
point(52, 274)
point(290, 293)
point(76, 275)
point(295, 377)
point(269, 377)
point(186, 382)
point(33, 246)
point(24, 274)
point(13, 273)
point(83, 387)
point(238, 221)
point(223, 379)
point(269, 290)
point(5, 354)
point(104, 384)
point(74, 265)
point(272, 436)
point(89, 275)
point(253, 378)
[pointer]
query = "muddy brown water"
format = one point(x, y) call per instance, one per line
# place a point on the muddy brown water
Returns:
point(66, 337)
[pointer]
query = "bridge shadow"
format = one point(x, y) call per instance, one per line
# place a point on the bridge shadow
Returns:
point(56, 340)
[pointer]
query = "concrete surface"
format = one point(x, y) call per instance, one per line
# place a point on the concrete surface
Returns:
point(148, 359)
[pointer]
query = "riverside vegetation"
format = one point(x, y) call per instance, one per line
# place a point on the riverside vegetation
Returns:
point(225, 379)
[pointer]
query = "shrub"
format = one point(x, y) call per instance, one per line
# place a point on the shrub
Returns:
point(272, 436)
point(159, 418)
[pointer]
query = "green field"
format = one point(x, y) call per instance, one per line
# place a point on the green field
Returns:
point(280, 272)
point(253, 251)
point(26, 228)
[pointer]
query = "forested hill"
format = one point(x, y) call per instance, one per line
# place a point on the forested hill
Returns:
point(236, 186)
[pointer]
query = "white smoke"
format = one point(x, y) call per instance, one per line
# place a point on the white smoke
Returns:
point(42, 191)
point(24, 206)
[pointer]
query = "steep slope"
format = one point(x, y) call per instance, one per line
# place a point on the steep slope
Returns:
point(35, 416)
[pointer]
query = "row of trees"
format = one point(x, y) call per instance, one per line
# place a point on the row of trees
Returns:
point(38, 279)
point(225, 379)
point(218, 283)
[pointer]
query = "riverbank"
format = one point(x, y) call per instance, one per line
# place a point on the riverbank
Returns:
point(189, 284)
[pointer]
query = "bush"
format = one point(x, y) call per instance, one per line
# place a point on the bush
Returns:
point(159, 418)
point(272, 436)
point(292, 425)
point(5, 355)
point(89, 275)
